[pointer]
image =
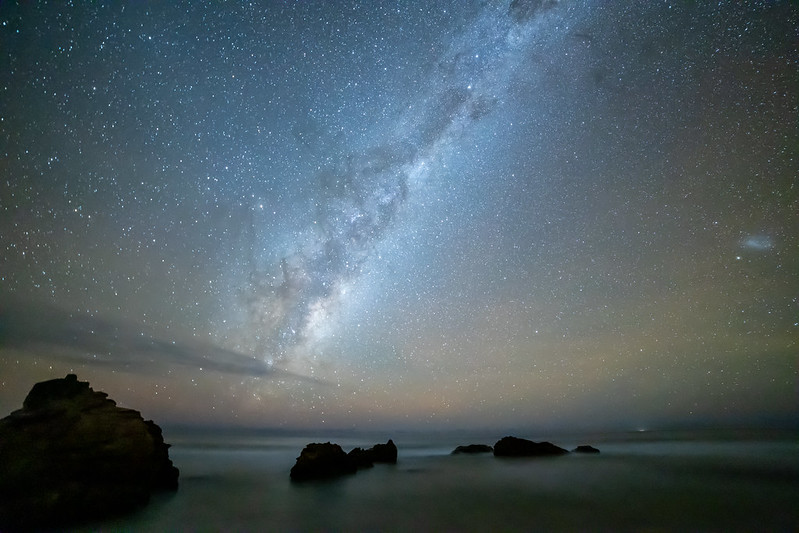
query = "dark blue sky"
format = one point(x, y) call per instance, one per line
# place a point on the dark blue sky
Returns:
point(534, 212)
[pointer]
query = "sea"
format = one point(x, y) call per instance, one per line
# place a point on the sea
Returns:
point(731, 480)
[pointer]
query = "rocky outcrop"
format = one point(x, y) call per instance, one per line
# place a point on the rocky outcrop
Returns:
point(71, 455)
point(327, 460)
point(361, 458)
point(379, 453)
point(585, 448)
point(516, 447)
point(322, 460)
point(384, 453)
point(472, 449)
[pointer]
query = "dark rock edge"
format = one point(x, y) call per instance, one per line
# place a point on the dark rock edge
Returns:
point(70, 456)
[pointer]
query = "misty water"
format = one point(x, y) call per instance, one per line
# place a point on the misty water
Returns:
point(641, 481)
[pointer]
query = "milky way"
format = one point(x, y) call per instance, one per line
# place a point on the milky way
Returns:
point(354, 213)
point(358, 197)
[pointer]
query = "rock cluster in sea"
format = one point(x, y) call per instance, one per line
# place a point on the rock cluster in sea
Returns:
point(516, 447)
point(327, 460)
point(70, 455)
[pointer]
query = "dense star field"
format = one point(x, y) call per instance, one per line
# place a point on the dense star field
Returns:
point(527, 213)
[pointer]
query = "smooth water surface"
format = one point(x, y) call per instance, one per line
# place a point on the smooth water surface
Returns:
point(634, 484)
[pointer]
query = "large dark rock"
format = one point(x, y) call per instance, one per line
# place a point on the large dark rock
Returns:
point(585, 448)
point(70, 455)
point(322, 460)
point(516, 447)
point(473, 449)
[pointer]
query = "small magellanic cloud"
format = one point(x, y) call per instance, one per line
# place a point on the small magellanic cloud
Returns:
point(758, 243)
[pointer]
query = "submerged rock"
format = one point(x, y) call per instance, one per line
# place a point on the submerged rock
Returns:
point(585, 448)
point(70, 455)
point(516, 447)
point(472, 449)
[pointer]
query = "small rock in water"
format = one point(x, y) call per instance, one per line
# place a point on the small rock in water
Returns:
point(516, 447)
point(473, 449)
point(585, 448)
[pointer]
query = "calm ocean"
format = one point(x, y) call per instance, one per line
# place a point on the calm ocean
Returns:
point(640, 482)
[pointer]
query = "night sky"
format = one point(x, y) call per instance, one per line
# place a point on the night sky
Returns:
point(422, 214)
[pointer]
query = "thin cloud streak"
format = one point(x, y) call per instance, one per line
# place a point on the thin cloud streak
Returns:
point(85, 339)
